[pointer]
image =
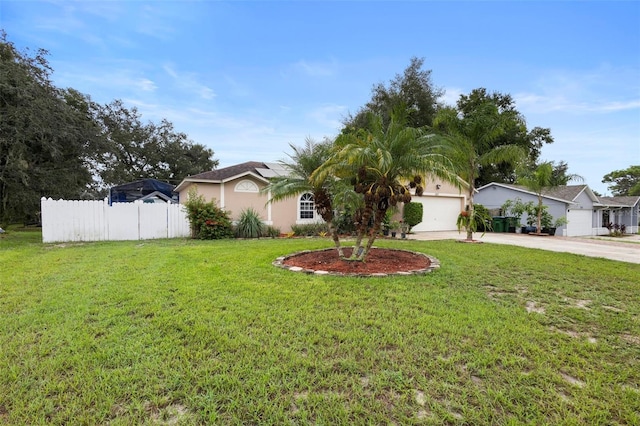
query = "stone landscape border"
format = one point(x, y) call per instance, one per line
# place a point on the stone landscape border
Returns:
point(433, 265)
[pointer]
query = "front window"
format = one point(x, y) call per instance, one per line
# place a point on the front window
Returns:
point(606, 218)
point(307, 206)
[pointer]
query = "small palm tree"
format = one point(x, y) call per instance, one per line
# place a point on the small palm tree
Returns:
point(304, 161)
point(539, 180)
point(468, 141)
point(379, 161)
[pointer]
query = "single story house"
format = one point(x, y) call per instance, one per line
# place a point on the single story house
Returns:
point(238, 187)
point(585, 212)
point(620, 210)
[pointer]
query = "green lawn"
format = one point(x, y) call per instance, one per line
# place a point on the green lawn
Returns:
point(194, 332)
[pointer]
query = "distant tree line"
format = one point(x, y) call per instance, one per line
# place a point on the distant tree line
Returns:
point(624, 182)
point(59, 143)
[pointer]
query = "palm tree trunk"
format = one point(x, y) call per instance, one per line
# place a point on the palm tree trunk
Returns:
point(374, 233)
point(362, 230)
point(336, 238)
point(326, 212)
point(471, 214)
point(539, 230)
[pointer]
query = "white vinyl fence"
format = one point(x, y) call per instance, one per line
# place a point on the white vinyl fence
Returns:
point(70, 220)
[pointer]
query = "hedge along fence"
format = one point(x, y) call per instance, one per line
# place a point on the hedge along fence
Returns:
point(88, 220)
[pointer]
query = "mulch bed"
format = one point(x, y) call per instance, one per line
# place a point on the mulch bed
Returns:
point(378, 261)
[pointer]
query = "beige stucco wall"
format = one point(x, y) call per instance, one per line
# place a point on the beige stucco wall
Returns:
point(207, 190)
point(281, 214)
point(235, 202)
point(446, 188)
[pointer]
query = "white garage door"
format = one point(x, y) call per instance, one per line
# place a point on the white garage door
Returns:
point(579, 223)
point(439, 213)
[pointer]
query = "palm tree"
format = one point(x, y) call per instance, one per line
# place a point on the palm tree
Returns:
point(468, 139)
point(379, 161)
point(304, 161)
point(540, 179)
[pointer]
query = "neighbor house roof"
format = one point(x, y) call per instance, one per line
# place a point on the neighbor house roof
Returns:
point(564, 193)
point(260, 170)
point(619, 201)
point(567, 192)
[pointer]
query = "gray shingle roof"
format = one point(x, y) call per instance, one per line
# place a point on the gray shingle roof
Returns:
point(565, 192)
point(619, 201)
point(227, 172)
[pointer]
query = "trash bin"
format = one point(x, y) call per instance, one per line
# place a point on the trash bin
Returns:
point(512, 224)
point(499, 224)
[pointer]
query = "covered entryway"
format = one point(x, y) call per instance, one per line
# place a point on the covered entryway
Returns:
point(580, 222)
point(439, 213)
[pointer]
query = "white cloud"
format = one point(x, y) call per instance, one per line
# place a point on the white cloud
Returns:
point(545, 104)
point(189, 82)
point(107, 81)
point(317, 69)
point(147, 85)
point(602, 90)
point(329, 116)
point(451, 96)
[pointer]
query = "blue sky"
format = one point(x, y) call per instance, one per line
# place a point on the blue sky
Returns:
point(249, 78)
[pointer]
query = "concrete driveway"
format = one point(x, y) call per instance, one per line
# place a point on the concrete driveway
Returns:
point(625, 249)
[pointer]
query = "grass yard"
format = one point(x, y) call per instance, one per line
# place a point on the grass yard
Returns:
point(195, 332)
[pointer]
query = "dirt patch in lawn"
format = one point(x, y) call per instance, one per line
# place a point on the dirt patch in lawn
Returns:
point(379, 262)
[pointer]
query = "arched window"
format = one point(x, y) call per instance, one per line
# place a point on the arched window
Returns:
point(306, 207)
point(246, 186)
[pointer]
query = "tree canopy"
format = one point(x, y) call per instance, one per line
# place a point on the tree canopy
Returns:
point(44, 141)
point(59, 143)
point(383, 163)
point(134, 150)
point(469, 139)
point(302, 164)
point(514, 132)
point(412, 90)
point(624, 182)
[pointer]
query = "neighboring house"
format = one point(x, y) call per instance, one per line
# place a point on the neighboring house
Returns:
point(238, 187)
point(585, 212)
point(619, 210)
point(146, 190)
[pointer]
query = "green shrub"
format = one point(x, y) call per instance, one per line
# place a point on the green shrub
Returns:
point(345, 223)
point(271, 231)
point(249, 225)
point(480, 221)
point(412, 214)
point(208, 221)
point(310, 229)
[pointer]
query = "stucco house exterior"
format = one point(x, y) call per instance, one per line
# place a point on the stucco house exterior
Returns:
point(586, 213)
point(238, 187)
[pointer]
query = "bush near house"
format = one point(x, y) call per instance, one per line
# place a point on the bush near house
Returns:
point(310, 229)
point(208, 221)
point(412, 214)
point(250, 225)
